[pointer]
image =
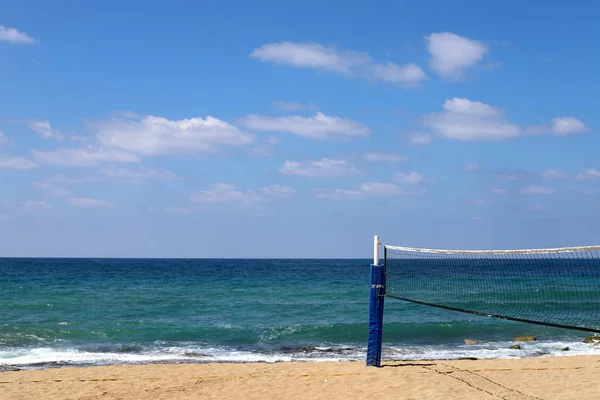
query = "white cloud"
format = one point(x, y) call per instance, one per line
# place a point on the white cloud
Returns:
point(537, 190)
point(567, 125)
point(411, 178)
point(404, 75)
point(160, 136)
point(3, 138)
point(324, 167)
point(478, 202)
point(343, 62)
point(80, 157)
point(36, 204)
point(588, 174)
point(472, 167)
point(311, 55)
point(17, 163)
point(420, 138)
point(452, 54)
point(224, 192)
point(89, 202)
point(320, 126)
point(337, 194)
point(44, 128)
point(384, 157)
point(282, 105)
point(277, 191)
point(554, 174)
point(467, 120)
point(463, 119)
point(498, 191)
point(12, 35)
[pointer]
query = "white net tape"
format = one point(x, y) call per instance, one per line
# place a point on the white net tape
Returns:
point(475, 252)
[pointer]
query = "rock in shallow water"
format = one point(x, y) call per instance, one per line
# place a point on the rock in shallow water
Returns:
point(471, 341)
point(524, 339)
point(592, 339)
point(516, 347)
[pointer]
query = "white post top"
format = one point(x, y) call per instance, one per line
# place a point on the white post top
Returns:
point(376, 250)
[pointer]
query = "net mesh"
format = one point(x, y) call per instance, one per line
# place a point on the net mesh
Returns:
point(554, 287)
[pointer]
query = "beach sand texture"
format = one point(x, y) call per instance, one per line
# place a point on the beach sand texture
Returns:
point(574, 377)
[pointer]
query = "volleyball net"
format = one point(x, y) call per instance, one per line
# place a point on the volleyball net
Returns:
point(555, 287)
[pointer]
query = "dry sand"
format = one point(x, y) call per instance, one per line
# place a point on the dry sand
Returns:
point(575, 377)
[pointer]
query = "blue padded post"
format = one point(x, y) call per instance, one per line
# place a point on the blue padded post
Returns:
point(376, 315)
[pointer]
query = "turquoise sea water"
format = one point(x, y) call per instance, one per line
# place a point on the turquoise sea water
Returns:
point(104, 311)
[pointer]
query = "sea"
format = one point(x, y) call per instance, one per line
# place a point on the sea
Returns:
point(82, 312)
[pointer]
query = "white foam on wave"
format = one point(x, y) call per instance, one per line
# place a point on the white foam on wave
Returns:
point(23, 357)
point(193, 353)
point(491, 351)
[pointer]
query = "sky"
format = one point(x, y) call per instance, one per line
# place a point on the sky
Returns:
point(297, 128)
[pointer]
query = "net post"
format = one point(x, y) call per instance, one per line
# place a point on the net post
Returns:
point(376, 301)
point(376, 250)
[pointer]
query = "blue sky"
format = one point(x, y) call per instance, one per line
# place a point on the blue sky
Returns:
point(296, 129)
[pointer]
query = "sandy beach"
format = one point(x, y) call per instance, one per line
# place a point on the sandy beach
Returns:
point(574, 377)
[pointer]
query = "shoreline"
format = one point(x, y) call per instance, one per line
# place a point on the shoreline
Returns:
point(569, 377)
point(49, 357)
point(7, 367)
